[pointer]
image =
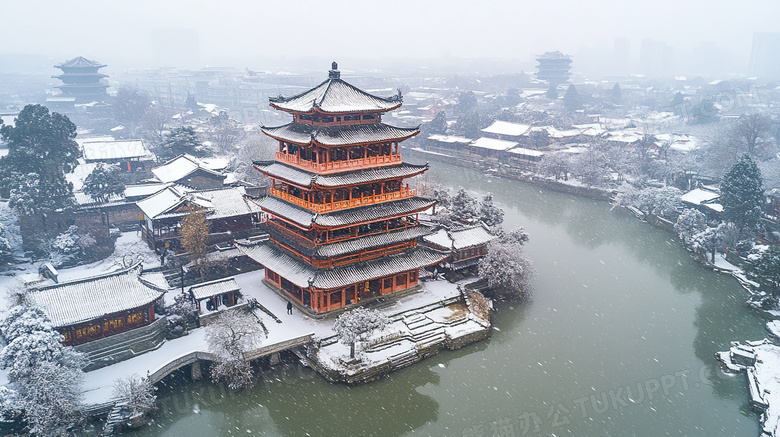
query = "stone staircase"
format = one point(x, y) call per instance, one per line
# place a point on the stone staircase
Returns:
point(115, 418)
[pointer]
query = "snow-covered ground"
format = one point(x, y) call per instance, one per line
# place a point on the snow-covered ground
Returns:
point(99, 383)
point(763, 379)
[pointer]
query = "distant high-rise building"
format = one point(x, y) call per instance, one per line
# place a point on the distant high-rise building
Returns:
point(765, 56)
point(656, 57)
point(82, 81)
point(554, 67)
point(621, 55)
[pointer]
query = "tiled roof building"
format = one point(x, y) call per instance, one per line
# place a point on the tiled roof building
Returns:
point(343, 225)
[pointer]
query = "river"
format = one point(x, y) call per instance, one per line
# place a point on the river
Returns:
point(617, 340)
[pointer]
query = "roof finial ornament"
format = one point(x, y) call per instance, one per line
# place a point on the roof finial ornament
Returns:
point(334, 72)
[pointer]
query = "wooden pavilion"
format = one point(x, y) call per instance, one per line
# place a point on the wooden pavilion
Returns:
point(343, 225)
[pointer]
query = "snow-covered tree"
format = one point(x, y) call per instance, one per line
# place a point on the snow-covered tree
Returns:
point(137, 394)
point(130, 106)
point(556, 164)
point(104, 181)
point(710, 240)
point(591, 167)
point(45, 373)
point(6, 251)
point(572, 99)
point(229, 337)
point(490, 214)
point(51, 399)
point(749, 129)
point(224, 131)
point(742, 194)
point(463, 207)
point(41, 149)
point(436, 126)
point(65, 249)
point(181, 140)
point(689, 223)
point(357, 324)
point(506, 268)
point(660, 201)
point(767, 267)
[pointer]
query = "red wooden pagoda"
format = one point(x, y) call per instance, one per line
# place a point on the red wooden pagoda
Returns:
point(342, 223)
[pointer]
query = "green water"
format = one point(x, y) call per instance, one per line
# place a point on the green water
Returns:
point(619, 311)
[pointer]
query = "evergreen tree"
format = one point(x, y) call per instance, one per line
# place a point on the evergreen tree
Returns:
point(463, 207)
point(490, 214)
point(572, 99)
point(180, 141)
point(438, 125)
point(690, 223)
point(767, 267)
point(467, 101)
point(742, 194)
point(506, 268)
point(40, 151)
point(616, 94)
point(552, 92)
point(104, 181)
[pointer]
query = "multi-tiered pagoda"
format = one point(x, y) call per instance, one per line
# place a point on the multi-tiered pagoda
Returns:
point(343, 225)
point(82, 81)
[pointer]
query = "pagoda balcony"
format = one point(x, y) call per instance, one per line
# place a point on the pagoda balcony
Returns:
point(344, 204)
point(335, 166)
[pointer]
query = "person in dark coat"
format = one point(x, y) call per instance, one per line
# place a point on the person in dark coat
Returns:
point(289, 307)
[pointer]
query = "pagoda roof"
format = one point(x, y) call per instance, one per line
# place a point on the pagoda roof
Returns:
point(305, 275)
point(346, 247)
point(219, 203)
point(300, 133)
point(336, 96)
point(346, 217)
point(556, 55)
point(80, 62)
point(89, 298)
point(182, 166)
point(307, 179)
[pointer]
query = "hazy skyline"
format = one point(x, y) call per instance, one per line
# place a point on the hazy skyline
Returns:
point(246, 34)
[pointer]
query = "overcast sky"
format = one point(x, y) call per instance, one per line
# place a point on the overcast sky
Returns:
point(244, 33)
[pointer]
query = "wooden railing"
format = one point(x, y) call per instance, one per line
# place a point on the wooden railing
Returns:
point(344, 204)
point(333, 166)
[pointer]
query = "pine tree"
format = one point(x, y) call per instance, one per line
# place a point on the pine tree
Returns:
point(689, 223)
point(490, 214)
point(180, 141)
point(463, 207)
point(104, 181)
point(767, 267)
point(572, 99)
point(438, 125)
point(616, 94)
point(742, 194)
point(41, 150)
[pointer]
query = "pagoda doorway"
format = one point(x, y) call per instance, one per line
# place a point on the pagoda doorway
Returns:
point(374, 287)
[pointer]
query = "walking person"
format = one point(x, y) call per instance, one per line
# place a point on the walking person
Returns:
point(289, 307)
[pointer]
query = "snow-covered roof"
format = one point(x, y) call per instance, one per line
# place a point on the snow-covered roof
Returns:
point(335, 95)
point(304, 178)
point(449, 139)
point(104, 150)
point(699, 196)
point(361, 214)
point(87, 299)
point(499, 127)
point(300, 133)
point(219, 203)
point(493, 144)
point(213, 288)
point(180, 167)
point(304, 275)
point(461, 238)
point(143, 190)
point(526, 152)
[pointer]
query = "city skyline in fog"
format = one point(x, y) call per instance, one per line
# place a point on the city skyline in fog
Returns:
point(605, 37)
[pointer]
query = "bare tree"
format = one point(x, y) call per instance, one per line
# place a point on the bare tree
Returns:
point(195, 238)
point(224, 132)
point(749, 129)
point(229, 337)
point(137, 394)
